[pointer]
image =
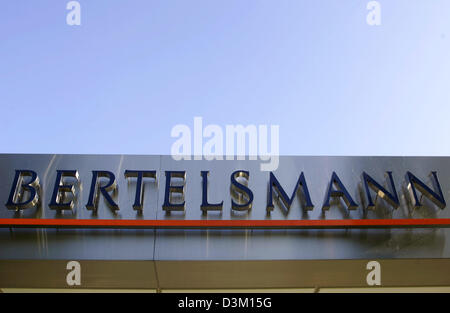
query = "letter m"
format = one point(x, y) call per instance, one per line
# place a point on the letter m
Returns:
point(274, 184)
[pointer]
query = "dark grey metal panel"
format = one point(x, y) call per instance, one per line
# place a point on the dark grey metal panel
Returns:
point(94, 274)
point(223, 274)
point(299, 274)
point(78, 244)
point(300, 244)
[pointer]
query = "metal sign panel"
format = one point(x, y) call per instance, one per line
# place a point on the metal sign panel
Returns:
point(363, 222)
point(387, 197)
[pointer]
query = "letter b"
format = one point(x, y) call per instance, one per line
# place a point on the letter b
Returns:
point(16, 196)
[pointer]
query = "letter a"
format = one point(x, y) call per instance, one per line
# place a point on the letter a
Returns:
point(74, 16)
point(73, 278)
point(374, 276)
point(374, 16)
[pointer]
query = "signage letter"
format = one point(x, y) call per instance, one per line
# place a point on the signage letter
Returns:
point(16, 194)
point(391, 198)
point(340, 192)
point(95, 187)
point(168, 206)
point(205, 205)
point(60, 189)
point(139, 199)
point(437, 198)
point(274, 184)
point(241, 190)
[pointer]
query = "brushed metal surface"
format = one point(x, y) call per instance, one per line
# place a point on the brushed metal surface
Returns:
point(80, 244)
point(104, 244)
point(306, 244)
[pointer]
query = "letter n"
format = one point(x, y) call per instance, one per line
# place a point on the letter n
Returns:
point(435, 196)
point(391, 198)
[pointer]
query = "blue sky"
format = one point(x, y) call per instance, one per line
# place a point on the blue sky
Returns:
point(134, 69)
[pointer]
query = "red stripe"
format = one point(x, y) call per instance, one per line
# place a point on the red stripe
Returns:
point(347, 223)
